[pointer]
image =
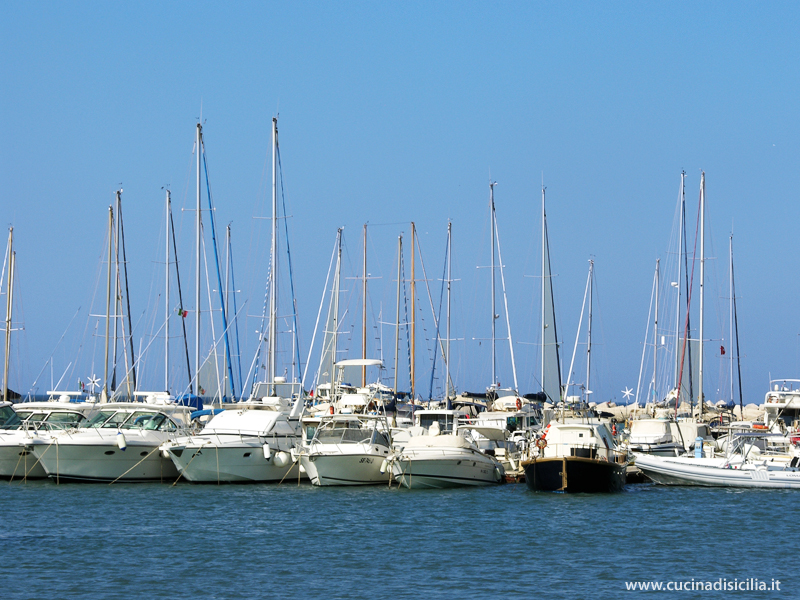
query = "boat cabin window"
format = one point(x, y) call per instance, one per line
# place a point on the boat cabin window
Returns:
point(144, 420)
point(64, 419)
point(36, 417)
point(379, 439)
point(310, 430)
point(100, 419)
point(9, 419)
point(343, 433)
point(445, 423)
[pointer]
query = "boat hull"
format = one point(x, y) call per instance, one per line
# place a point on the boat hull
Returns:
point(711, 473)
point(105, 461)
point(18, 462)
point(229, 464)
point(574, 474)
point(344, 469)
point(426, 470)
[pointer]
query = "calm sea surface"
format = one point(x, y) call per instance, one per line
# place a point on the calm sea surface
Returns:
point(142, 541)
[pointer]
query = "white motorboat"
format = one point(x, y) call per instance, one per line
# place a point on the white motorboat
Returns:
point(34, 420)
point(346, 450)
point(743, 466)
point(248, 443)
point(120, 442)
point(439, 454)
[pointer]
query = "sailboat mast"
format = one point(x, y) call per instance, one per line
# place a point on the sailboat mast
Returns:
point(197, 297)
point(655, 336)
point(449, 282)
point(589, 330)
point(494, 310)
point(413, 333)
point(397, 321)
point(544, 257)
point(680, 269)
point(9, 306)
point(337, 284)
point(364, 312)
point(166, 297)
point(736, 330)
point(273, 288)
point(700, 397)
point(226, 305)
point(730, 343)
point(104, 394)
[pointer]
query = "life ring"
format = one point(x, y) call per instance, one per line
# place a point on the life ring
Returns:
point(541, 443)
point(519, 404)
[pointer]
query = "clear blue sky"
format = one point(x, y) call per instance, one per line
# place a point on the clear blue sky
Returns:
point(393, 112)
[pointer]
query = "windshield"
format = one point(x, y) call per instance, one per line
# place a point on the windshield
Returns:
point(100, 419)
point(149, 421)
point(8, 418)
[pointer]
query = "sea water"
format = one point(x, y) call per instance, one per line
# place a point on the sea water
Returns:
point(143, 541)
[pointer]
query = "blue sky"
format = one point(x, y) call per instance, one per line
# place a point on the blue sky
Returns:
point(393, 112)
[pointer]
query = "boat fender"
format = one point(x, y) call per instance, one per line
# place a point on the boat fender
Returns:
point(267, 451)
point(281, 459)
point(497, 474)
point(121, 442)
point(519, 404)
point(331, 408)
point(164, 452)
point(384, 464)
point(302, 469)
point(614, 429)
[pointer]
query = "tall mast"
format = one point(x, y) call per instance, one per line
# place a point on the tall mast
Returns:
point(364, 312)
point(413, 341)
point(397, 321)
point(9, 307)
point(505, 305)
point(166, 298)
point(273, 288)
point(336, 285)
point(449, 282)
point(655, 336)
point(494, 310)
point(702, 282)
point(544, 257)
point(680, 269)
point(197, 297)
point(730, 342)
point(104, 394)
point(226, 306)
point(589, 329)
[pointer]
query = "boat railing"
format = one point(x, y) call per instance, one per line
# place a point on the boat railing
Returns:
point(590, 451)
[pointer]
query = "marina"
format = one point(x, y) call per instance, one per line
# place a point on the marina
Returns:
point(401, 300)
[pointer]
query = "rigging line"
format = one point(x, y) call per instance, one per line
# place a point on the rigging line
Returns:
point(236, 331)
point(644, 346)
point(180, 296)
point(257, 358)
point(319, 312)
point(405, 310)
point(61, 339)
point(686, 328)
point(437, 321)
point(291, 273)
point(219, 274)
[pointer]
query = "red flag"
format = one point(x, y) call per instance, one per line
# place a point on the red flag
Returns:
point(722, 350)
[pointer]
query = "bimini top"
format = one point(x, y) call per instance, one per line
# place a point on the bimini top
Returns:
point(360, 362)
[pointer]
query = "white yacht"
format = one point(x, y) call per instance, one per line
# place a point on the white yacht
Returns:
point(345, 449)
point(120, 442)
point(34, 420)
point(439, 454)
point(246, 443)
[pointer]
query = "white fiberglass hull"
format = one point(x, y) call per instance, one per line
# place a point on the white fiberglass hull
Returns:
point(435, 468)
point(18, 462)
point(358, 466)
point(713, 472)
point(240, 462)
point(92, 457)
